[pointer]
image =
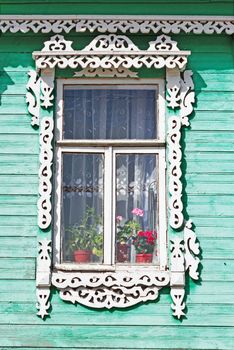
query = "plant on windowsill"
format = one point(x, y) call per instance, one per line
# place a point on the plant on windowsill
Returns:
point(125, 234)
point(144, 243)
point(86, 239)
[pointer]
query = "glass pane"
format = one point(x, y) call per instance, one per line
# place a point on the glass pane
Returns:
point(82, 208)
point(102, 113)
point(136, 208)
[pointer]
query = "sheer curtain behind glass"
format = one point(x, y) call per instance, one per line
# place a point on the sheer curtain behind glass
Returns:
point(109, 114)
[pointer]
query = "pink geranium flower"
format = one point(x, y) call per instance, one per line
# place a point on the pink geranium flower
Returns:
point(119, 218)
point(138, 212)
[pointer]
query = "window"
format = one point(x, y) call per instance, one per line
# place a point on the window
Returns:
point(110, 175)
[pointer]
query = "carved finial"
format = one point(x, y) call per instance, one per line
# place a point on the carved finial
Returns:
point(163, 43)
point(57, 43)
point(111, 42)
point(43, 303)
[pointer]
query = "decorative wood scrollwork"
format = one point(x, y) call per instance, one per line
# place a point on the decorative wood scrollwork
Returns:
point(33, 96)
point(113, 55)
point(175, 185)
point(113, 24)
point(184, 253)
point(43, 277)
point(47, 87)
point(119, 72)
point(109, 289)
point(43, 303)
point(45, 173)
point(180, 94)
point(192, 249)
point(110, 51)
point(111, 42)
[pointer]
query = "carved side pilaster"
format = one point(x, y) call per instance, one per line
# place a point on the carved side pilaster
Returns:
point(175, 185)
point(177, 280)
point(43, 277)
point(180, 95)
point(45, 173)
point(33, 96)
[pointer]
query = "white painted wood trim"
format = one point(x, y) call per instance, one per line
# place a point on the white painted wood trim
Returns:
point(123, 23)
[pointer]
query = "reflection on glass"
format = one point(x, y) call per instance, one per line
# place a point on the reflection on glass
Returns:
point(109, 113)
point(136, 208)
point(82, 208)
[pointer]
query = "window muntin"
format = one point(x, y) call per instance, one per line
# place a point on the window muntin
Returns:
point(111, 149)
point(110, 112)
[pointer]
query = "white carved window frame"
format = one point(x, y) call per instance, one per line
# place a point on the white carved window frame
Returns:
point(114, 55)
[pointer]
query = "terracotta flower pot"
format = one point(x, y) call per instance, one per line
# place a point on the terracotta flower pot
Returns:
point(122, 252)
point(82, 256)
point(144, 258)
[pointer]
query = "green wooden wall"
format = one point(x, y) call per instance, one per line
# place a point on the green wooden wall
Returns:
point(209, 185)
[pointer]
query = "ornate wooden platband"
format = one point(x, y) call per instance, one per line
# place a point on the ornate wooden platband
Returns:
point(114, 55)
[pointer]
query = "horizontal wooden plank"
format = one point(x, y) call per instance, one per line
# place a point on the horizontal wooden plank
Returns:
point(28, 230)
point(217, 270)
point(17, 268)
point(118, 8)
point(17, 220)
point(16, 124)
point(19, 164)
point(13, 247)
point(211, 205)
point(213, 147)
point(19, 144)
point(26, 199)
point(19, 184)
point(221, 229)
point(18, 209)
point(204, 183)
point(207, 292)
point(216, 248)
point(142, 337)
point(151, 314)
point(204, 95)
point(211, 62)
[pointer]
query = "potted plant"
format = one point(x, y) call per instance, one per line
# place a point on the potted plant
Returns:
point(125, 233)
point(86, 239)
point(144, 243)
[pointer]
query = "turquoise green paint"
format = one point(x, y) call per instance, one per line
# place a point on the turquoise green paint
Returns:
point(209, 174)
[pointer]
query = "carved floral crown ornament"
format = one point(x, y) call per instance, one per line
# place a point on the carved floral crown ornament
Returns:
point(115, 54)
